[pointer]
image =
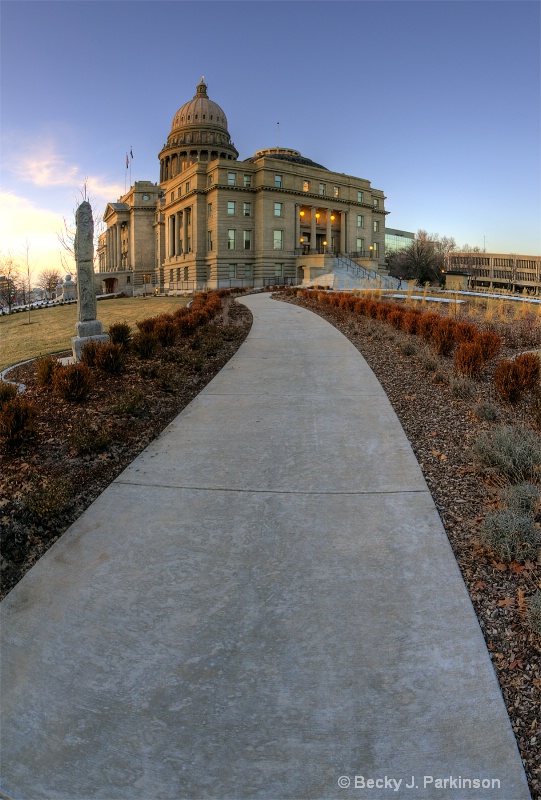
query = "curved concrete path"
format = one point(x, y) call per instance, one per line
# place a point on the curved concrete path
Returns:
point(263, 605)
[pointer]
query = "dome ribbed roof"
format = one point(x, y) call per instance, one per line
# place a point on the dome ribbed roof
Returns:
point(285, 154)
point(199, 111)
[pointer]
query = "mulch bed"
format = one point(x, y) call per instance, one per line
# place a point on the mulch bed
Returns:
point(441, 429)
point(47, 484)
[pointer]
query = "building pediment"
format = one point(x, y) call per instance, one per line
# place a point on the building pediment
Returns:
point(113, 209)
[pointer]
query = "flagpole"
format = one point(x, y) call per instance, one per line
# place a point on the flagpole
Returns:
point(131, 159)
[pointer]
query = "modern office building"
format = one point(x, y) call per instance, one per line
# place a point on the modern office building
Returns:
point(397, 240)
point(514, 273)
point(215, 221)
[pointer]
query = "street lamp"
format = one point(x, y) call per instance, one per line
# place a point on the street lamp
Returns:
point(371, 248)
point(324, 248)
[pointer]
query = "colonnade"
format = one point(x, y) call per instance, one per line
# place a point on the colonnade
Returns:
point(114, 247)
point(178, 239)
point(314, 225)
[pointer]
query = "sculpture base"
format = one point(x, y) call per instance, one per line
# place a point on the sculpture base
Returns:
point(78, 342)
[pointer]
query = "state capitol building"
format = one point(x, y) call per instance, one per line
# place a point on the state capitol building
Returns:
point(213, 221)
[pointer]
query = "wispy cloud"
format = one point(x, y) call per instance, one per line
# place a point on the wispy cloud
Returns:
point(22, 223)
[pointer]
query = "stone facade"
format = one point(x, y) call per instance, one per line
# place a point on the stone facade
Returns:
point(214, 221)
point(499, 271)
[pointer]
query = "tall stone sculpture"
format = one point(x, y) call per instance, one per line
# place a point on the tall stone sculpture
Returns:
point(87, 326)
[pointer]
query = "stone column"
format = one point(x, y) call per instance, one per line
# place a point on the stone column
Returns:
point(185, 229)
point(109, 252)
point(313, 230)
point(87, 326)
point(297, 226)
point(178, 238)
point(328, 233)
point(171, 236)
point(343, 232)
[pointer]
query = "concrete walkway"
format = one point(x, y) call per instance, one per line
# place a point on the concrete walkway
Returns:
point(263, 605)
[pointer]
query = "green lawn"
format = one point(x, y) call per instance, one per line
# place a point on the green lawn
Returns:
point(50, 329)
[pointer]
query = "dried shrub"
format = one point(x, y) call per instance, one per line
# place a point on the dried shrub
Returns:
point(534, 612)
point(466, 331)
point(120, 333)
point(428, 360)
point(7, 392)
point(73, 382)
point(89, 352)
point(409, 348)
point(507, 381)
point(469, 361)
point(149, 371)
point(410, 321)
point(111, 358)
point(511, 535)
point(486, 412)
point(490, 343)
point(17, 419)
point(461, 388)
point(147, 325)
point(46, 502)
point(129, 403)
point(443, 336)
point(88, 439)
point(529, 369)
point(426, 324)
point(45, 369)
point(395, 318)
point(169, 382)
point(522, 497)
point(166, 332)
point(512, 451)
point(144, 344)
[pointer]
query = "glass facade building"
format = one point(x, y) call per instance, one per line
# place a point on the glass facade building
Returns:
point(397, 240)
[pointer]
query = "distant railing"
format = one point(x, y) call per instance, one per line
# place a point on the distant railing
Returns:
point(278, 280)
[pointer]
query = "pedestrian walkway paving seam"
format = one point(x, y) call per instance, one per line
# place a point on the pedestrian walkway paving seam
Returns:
point(263, 491)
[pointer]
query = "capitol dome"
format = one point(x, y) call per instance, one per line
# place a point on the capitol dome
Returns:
point(198, 133)
point(200, 110)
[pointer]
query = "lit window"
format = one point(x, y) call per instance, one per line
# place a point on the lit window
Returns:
point(231, 239)
point(187, 187)
point(247, 209)
point(359, 220)
point(278, 240)
point(360, 245)
point(336, 191)
point(247, 240)
point(278, 181)
point(359, 197)
point(322, 188)
point(209, 210)
point(375, 225)
point(375, 246)
point(232, 178)
point(209, 245)
point(247, 180)
point(278, 209)
point(231, 208)
point(306, 186)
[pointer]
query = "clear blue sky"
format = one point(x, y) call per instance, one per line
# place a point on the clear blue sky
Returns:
point(436, 103)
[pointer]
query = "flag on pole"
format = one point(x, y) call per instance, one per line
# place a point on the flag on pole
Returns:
point(131, 153)
point(127, 161)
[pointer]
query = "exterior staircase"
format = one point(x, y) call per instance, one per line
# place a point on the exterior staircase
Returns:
point(347, 274)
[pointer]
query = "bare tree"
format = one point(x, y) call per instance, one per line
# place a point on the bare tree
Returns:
point(47, 281)
point(10, 278)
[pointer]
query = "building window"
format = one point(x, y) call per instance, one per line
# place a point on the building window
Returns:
point(322, 188)
point(231, 208)
point(232, 270)
point(247, 240)
point(209, 243)
point(178, 192)
point(247, 209)
point(375, 225)
point(359, 197)
point(278, 209)
point(209, 210)
point(376, 202)
point(232, 178)
point(336, 191)
point(278, 181)
point(231, 239)
point(247, 180)
point(359, 220)
point(375, 247)
point(171, 273)
point(210, 179)
point(306, 186)
point(172, 196)
point(187, 186)
point(186, 273)
point(278, 240)
point(360, 245)
point(278, 270)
